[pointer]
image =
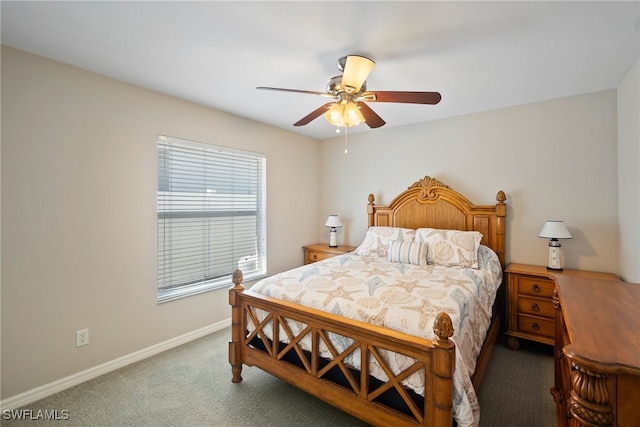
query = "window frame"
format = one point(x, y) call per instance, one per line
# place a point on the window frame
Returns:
point(186, 200)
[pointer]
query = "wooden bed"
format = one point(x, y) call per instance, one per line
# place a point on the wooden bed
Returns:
point(426, 203)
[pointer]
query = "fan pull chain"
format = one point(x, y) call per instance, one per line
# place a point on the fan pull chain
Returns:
point(346, 148)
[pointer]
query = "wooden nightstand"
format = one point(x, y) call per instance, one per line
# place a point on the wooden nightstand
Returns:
point(531, 314)
point(320, 251)
point(530, 308)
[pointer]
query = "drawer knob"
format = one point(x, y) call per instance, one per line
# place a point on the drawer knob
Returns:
point(535, 326)
point(535, 307)
point(315, 256)
point(536, 288)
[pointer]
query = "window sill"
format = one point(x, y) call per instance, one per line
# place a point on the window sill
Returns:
point(199, 288)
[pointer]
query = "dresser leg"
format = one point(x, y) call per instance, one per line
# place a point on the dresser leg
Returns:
point(513, 343)
point(589, 403)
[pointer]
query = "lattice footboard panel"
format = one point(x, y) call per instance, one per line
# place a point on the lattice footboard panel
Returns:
point(349, 364)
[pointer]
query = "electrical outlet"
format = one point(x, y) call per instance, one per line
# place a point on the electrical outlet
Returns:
point(82, 337)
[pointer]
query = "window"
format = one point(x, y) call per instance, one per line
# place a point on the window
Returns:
point(211, 216)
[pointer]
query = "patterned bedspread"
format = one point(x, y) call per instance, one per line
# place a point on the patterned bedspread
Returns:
point(406, 298)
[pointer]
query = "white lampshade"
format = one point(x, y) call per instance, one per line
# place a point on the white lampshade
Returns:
point(356, 70)
point(333, 221)
point(555, 230)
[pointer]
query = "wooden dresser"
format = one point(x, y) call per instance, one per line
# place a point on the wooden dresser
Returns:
point(320, 251)
point(597, 352)
point(530, 310)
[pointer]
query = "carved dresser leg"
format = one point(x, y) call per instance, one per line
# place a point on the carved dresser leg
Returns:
point(589, 402)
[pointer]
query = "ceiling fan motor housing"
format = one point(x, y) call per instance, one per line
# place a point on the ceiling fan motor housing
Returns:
point(334, 85)
point(341, 63)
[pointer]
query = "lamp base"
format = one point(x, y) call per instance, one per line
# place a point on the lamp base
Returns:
point(333, 241)
point(554, 263)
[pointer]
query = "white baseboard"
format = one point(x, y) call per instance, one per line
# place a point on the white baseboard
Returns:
point(41, 392)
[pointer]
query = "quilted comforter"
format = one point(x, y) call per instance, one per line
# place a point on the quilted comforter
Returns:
point(404, 297)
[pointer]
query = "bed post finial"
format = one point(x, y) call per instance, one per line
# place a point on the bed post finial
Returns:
point(443, 328)
point(371, 210)
point(237, 279)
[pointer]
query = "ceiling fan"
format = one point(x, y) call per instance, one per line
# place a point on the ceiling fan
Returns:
point(349, 93)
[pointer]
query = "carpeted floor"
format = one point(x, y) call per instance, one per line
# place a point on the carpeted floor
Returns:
point(191, 386)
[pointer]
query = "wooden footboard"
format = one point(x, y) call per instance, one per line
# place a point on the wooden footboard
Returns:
point(358, 394)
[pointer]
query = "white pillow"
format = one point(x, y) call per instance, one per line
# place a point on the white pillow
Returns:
point(378, 239)
point(408, 252)
point(450, 248)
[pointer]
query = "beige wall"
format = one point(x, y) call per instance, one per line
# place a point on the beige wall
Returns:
point(78, 200)
point(78, 215)
point(629, 174)
point(554, 159)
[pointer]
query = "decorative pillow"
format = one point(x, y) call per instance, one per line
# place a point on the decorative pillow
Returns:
point(408, 252)
point(450, 248)
point(378, 239)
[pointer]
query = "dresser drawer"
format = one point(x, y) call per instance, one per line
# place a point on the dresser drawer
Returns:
point(535, 325)
point(535, 286)
point(536, 306)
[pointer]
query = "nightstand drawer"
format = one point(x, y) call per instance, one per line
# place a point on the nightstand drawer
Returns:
point(531, 314)
point(319, 256)
point(535, 286)
point(320, 251)
point(536, 306)
point(535, 325)
point(530, 310)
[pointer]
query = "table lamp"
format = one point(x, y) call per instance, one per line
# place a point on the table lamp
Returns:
point(333, 222)
point(554, 230)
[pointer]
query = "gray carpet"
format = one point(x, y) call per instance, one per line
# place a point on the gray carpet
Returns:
point(191, 386)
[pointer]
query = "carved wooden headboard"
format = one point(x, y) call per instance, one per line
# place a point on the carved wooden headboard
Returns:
point(430, 203)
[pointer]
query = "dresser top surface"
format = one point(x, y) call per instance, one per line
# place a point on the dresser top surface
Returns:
point(602, 320)
point(539, 270)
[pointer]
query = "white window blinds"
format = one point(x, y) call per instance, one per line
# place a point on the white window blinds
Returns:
point(211, 216)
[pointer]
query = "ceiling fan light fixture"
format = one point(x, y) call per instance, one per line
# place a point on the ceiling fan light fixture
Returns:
point(344, 114)
point(352, 114)
point(349, 93)
point(356, 70)
point(335, 115)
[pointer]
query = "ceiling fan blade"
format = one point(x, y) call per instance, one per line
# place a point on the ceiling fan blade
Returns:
point(356, 70)
point(402, 97)
point(371, 118)
point(314, 114)
point(309, 92)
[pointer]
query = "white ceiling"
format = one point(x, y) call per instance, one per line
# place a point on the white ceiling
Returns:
point(478, 55)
